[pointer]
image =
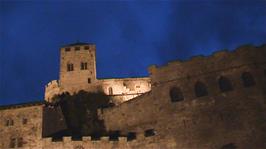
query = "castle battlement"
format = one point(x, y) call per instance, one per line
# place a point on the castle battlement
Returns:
point(87, 142)
point(78, 72)
point(221, 61)
point(66, 139)
point(53, 83)
point(52, 89)
point(241, 51)
point(206, 102)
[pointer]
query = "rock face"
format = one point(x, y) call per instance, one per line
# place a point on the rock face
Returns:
point(215, 102)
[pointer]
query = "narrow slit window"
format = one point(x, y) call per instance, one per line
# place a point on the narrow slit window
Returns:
point(24, 121)
point(67, 49)
point(20, 142)
point(83, 66)
point(86, 47)
point(110, 90)
point(131, 136)
point(12, 143)
point(70, 67)
point(149, 133)
point(7, 123)
point(77, 48)
point(11, 122)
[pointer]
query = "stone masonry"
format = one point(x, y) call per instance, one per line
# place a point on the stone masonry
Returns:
point(78, 72)
point(214, 102)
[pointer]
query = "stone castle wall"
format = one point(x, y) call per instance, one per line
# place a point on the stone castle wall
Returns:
point(151, 142)
point(75, 55)
point(219, 62)
point(175, 113)
point(51, 89)
point(120, 90)
point(214, 120)
point(23, 124)
point(85, 79)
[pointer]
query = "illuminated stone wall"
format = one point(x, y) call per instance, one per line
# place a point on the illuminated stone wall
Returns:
point(51, 89)
point(22, 121)
point(235, 117)
point(177, 113)
point(73, 81)
point(76, 55)
point(140, 142)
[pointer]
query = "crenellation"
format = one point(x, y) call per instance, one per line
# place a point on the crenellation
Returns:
point(67, 139)
point(86, 138)
point(78, 72)
point(202, 103)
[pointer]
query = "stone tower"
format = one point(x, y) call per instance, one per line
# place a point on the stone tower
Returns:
point(77, 65)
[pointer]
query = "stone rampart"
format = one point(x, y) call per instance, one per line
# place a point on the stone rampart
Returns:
point(199, 65)
point(196, 108)
point(85, 142)
point(21, 126)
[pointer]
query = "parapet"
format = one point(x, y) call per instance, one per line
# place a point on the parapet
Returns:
point(218, 61)
point(22, 105)
point(67, 139)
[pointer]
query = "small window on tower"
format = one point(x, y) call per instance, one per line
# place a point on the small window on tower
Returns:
point(110, 90)
point(70, 67)
point(83, 66)
point(19, 142)
point(149, 132)
point(24, 121)
point(12, 143)
point(67, 49)
point(77, 48)
point(89, 80)
point(7, 122)
point(11, 122)
point(86, 47)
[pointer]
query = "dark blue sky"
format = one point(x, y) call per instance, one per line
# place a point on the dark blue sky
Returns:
point(129, 36)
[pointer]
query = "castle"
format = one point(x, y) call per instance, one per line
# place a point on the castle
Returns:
point(78, 72)
point(214, 102)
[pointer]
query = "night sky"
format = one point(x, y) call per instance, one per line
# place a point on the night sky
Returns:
point(129, 36)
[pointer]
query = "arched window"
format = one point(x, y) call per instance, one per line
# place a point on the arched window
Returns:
point(176, 94)
point(110, 90)
point(225, 84)
point(247, 79)
point(200, 89)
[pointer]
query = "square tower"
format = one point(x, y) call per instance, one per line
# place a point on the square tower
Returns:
point(77, 65)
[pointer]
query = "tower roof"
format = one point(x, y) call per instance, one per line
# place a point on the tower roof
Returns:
point(78, 44)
